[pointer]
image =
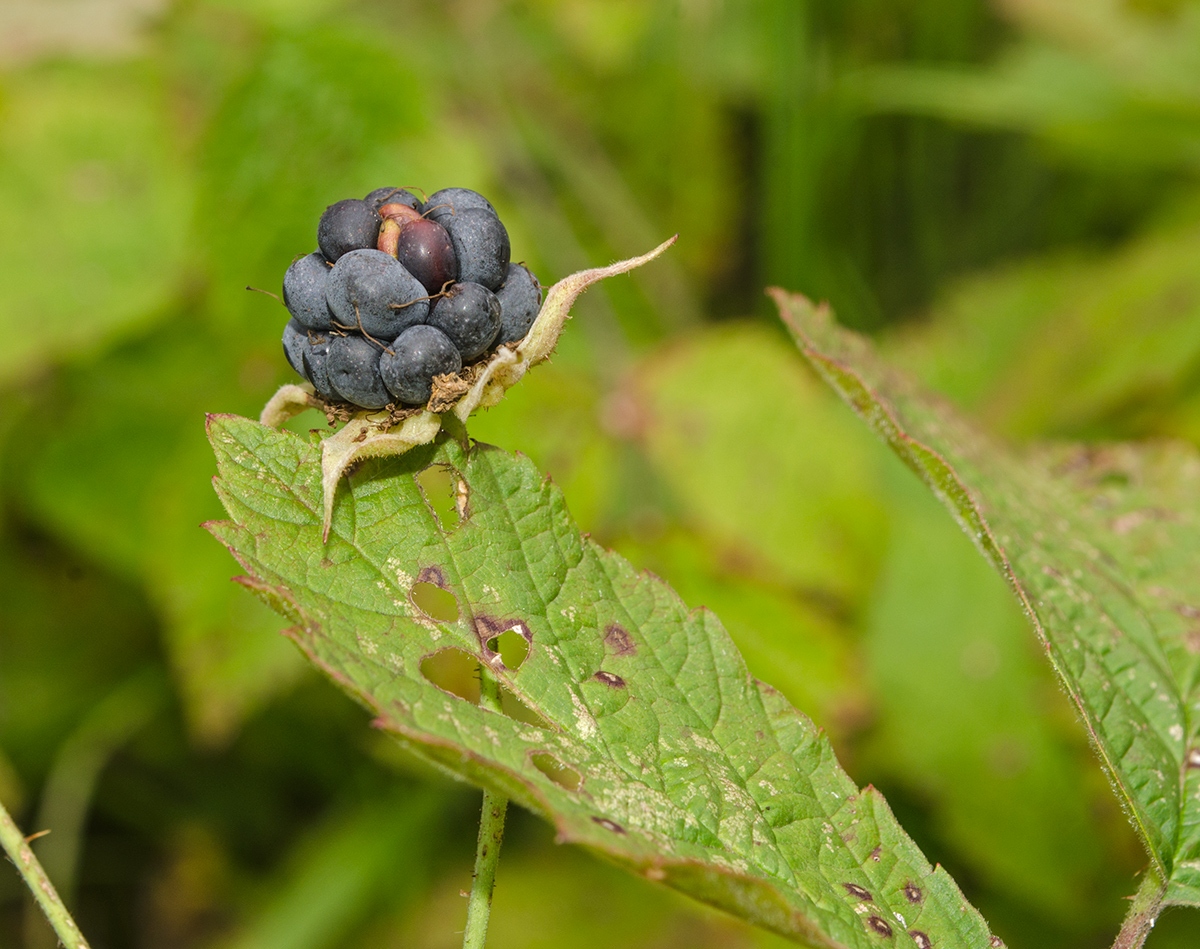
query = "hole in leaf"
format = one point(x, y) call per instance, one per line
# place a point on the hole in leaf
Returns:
point(566, 778)
point(436, 603)
point(453, 671)
point(516, 709)
point(512, 647)
point(441, 486)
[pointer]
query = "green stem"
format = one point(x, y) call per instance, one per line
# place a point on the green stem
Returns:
point(487, 856)
point(491, 833)
point(1147, 904)
point(17, 848)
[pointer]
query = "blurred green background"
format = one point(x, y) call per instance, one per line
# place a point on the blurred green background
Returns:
point(1007, 194)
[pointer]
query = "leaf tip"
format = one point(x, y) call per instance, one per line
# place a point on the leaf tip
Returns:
point(213, 421)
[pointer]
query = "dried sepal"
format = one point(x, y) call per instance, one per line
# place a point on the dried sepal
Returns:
point(375, 434)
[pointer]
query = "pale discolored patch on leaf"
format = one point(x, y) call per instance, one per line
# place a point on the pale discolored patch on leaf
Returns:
point(1100, 545)
point(634, 727)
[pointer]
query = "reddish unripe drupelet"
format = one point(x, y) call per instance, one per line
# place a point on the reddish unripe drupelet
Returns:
point(426, 251)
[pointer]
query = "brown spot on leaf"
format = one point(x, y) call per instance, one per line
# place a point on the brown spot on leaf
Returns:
point(858, 892)
point(609, 825)
point(609, 678)
point(617, 638)
point(435, 575)
point(996, 943)
point(1193, 758)
point(913, 893)
point(921, 939)
point(880, 925)
point(876, 852)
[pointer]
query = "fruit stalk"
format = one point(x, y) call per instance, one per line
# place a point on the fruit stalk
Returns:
point(487, 852)
point(17, 847)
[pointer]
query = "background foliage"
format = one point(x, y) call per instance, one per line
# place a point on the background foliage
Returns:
point(1006, 193)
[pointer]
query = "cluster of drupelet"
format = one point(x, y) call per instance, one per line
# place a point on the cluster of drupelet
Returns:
point(402, 291)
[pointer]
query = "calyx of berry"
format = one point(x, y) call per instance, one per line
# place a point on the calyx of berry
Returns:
point(376, 434)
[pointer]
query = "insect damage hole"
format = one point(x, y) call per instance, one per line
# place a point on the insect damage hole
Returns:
point(565, 777)
point(515, 708)
point(438, 604)
point(445, 492)
point(512, 648)
point(454, 671)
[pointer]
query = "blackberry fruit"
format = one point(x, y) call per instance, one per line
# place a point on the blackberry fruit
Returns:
point(295, 339)
point(469, 314)
point(402, 290)
point(353, 366)
point(381, 196)
point(307, 352)
point(370, 292)
point(347, 225)
point(520, 302)
point(418, 354)
point(451, 201)
point(304, 291)
point(316, 364)
point(425, 250)
point(481, 246)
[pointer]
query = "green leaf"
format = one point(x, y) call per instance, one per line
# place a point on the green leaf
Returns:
point(1099, 544)
point(1101, 347)
point(1101, 81)
point(640, 734)
point(807, 509)
point(380, 850)
point(96, 203)
point(806, 655)
point(135, 504)
point(968, 719)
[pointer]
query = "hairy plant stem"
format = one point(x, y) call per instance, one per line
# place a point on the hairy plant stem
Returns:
point(1143, 912)
point(487, 852)
point(18, 850)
